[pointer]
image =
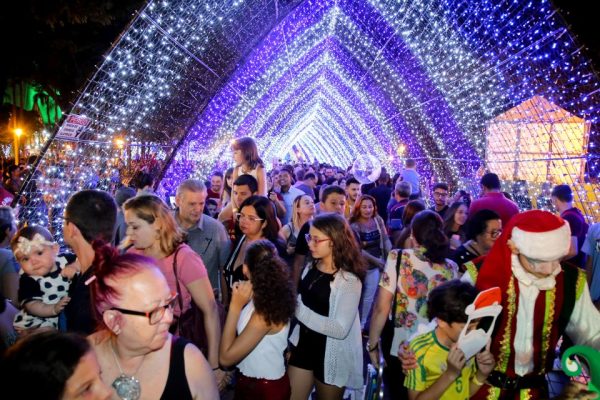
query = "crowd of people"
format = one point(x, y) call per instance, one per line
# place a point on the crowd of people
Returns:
point(282, 283)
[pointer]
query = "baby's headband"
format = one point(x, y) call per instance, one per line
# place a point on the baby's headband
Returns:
point(26, 246)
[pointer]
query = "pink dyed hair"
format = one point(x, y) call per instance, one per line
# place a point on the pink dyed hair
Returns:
point(110, 265)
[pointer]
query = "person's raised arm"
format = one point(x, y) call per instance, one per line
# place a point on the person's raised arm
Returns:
point(234, 348)
point(338, 326)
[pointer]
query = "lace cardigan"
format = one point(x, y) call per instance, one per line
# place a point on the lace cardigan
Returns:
point(343, 349)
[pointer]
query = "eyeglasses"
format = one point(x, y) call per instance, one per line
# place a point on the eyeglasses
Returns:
point(154, 316)
point(495, 233)
point(313, 239)
point(251, 218)
point(440, 194)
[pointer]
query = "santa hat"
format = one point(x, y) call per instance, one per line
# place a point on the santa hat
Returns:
point(537, 234)
point(486, 298)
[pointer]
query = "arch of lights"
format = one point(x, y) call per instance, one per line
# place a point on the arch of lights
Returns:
point(325, 79)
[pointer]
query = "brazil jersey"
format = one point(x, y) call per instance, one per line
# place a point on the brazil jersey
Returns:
point(432, 358)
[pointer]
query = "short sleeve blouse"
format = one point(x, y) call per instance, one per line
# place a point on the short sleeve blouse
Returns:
point(417, 277)
point(190, 268)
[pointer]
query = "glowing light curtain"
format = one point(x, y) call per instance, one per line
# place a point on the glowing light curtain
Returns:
point(328, 78)
point(538, 141)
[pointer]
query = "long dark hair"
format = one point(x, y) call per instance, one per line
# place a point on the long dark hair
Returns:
point(410, 210)
point(346, 252)
point(265, 210)
point(39, 365)
point(426, 228)
point(226, 187)
point(274, 295)
point(449, 221)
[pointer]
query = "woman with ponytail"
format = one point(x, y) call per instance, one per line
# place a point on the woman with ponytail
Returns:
point(409, 276)
point(260, 313)
point(138, 356)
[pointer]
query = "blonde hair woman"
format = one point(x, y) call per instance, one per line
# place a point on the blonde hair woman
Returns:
point(153, 232)
point(303, 210)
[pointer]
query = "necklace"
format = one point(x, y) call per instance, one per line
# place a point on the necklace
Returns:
point(310, 285)
point(315, 280)
point(127, 387)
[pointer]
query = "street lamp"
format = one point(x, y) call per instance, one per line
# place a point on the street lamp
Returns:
point(18, 133)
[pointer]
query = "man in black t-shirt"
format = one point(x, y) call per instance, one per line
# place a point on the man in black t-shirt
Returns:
point(90, 216)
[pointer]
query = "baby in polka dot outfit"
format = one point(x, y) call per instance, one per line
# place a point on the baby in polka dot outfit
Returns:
point(45, 278)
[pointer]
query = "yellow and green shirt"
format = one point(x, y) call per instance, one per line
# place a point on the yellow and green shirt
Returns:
point(432, 359)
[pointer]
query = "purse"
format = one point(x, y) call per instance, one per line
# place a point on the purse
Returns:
point(190, 324)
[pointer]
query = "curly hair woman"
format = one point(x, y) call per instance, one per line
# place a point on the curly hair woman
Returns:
point(327, 340)
point(260, 311)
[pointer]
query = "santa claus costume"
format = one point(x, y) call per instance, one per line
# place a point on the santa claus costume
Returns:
point(541, 301)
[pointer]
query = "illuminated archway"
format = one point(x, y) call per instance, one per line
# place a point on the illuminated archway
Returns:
point(316, 78)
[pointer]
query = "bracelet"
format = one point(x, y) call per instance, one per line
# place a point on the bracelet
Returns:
point(476, 381)
point(370, 349)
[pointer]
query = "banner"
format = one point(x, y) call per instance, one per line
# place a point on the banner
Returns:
point(73, 126)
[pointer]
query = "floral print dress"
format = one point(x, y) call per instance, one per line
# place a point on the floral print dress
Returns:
point(416, 277)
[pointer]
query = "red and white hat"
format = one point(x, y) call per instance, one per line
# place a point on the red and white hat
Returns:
point(544, 237)
point(537, 234)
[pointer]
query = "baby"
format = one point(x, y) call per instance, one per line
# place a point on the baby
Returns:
point(45, 278)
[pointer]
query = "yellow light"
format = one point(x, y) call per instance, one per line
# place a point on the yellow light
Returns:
point(400, 150)
point(119, 143)
point(18, 132)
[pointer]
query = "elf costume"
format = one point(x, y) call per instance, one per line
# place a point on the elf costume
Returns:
point(537, 309)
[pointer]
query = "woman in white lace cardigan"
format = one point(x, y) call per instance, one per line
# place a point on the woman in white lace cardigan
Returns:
point(328, 348)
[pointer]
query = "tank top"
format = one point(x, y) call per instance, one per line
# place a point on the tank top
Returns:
point(265, 361)
point(177, 387)
point(253, 172)
point(291, 240)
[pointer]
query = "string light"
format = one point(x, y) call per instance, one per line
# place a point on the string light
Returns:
point(327, 79)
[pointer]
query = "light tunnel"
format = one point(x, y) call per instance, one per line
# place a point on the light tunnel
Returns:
point(324, 79)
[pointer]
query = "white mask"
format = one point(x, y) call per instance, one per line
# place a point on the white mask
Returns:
point(472, 342)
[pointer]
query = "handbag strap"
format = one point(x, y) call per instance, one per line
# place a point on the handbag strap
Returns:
point(180, 295)
point(398, 260)
point(381, 239)
point(229, 266)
